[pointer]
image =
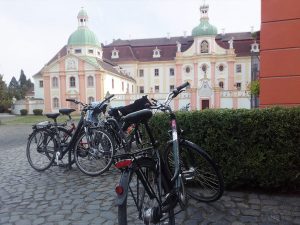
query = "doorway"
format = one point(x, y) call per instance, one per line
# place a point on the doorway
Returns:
point(204, 104)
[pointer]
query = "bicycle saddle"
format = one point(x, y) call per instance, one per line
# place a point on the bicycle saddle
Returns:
point(52, 115)
point(137, 117)
point(66, 111)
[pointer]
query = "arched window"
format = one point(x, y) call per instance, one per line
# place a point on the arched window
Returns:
point(91, 99)
point(55, 103)
point(54, 82)
point(204, 47)
point(221, 84)
point(72, 82)
point(90, 81)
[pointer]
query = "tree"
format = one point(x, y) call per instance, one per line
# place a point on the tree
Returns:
point(22, 79)
point(24, 84)
point(14, 89)
point(5, 101)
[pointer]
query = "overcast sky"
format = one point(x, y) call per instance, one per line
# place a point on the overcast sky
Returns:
point(33, 31)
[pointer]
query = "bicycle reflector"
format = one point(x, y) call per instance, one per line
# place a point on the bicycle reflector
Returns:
point(123, 163)
point(119, 190)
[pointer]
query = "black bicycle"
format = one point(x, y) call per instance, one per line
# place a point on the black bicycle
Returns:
point(91, 146)
point(156, 183)
point(41, 144)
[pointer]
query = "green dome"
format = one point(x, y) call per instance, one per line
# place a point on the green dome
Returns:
point(83, 36)
point(82, 13)
point(204, 28)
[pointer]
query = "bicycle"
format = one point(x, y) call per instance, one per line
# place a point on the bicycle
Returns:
point(40, 139)
point(130, 136)
point(145, 175)
point(92, 146)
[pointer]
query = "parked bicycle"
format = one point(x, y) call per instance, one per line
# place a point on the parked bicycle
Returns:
point(92, 146)
point(157, 182)
point(40, 140)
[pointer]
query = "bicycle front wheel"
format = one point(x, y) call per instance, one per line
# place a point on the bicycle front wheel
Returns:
point(139, 204)
point(202, 178)
point(40, 149)
point(93, 152)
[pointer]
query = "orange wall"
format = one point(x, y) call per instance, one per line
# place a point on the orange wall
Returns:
point(280, 53)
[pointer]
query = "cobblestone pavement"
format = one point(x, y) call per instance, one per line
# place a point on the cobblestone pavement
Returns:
point(57, 196)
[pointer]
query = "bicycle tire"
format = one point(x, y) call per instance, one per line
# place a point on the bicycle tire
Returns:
point(147, 165)
point(42, 142)
point(98, 156)
point(204, 184)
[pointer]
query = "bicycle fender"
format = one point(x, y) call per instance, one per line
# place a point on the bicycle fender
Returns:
point(124, 182)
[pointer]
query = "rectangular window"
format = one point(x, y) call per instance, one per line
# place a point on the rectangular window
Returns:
point(171, 87)
point(41, 84)
point(141, 89)
point(112, 84)
point(122, 86)
point(141, 73)
point(77, 51)
point(156, 89)
point(238, 68)
point(91, 51)
point(156, 72)
point(172, 72)
point(238, 86)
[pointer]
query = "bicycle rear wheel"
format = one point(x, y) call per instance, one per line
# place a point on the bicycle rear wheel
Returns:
point(93, 152)
point(40, 149)
point(202, 178)
point(138, 204)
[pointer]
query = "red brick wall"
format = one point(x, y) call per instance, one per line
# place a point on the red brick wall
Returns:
point(280, 53)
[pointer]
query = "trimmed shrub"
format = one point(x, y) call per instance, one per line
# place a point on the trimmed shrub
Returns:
point(23, 112)
point(37, 112)
point(257, 148)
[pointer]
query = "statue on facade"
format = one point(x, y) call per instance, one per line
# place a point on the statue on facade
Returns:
point(231, 43)
point(178, 46)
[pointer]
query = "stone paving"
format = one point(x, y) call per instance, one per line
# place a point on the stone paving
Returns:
point(59, 196)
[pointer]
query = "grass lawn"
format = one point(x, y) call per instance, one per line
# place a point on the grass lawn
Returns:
point(32, 119)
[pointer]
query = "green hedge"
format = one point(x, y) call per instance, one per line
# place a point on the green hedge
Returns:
point(255, 148)
point(24, 112)
point(37, 112)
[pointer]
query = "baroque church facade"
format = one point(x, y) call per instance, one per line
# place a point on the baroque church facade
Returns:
point(218, 67)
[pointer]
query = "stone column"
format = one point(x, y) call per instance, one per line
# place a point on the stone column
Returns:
point(62, 84)
point(98, 86)
point(47, 95)
point(217, 97)
point(231, 75)
point(81, 76)
point(213, 74)
point(178, 82)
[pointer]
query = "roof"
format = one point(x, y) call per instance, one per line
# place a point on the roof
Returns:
point(83, 36)
point(142, 49)
point(241, 42)
point(105, 64)
point(204, 28)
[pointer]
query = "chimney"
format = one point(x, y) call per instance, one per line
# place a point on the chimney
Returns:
point(184, 34)
point(223, 31)
point(168, 35)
